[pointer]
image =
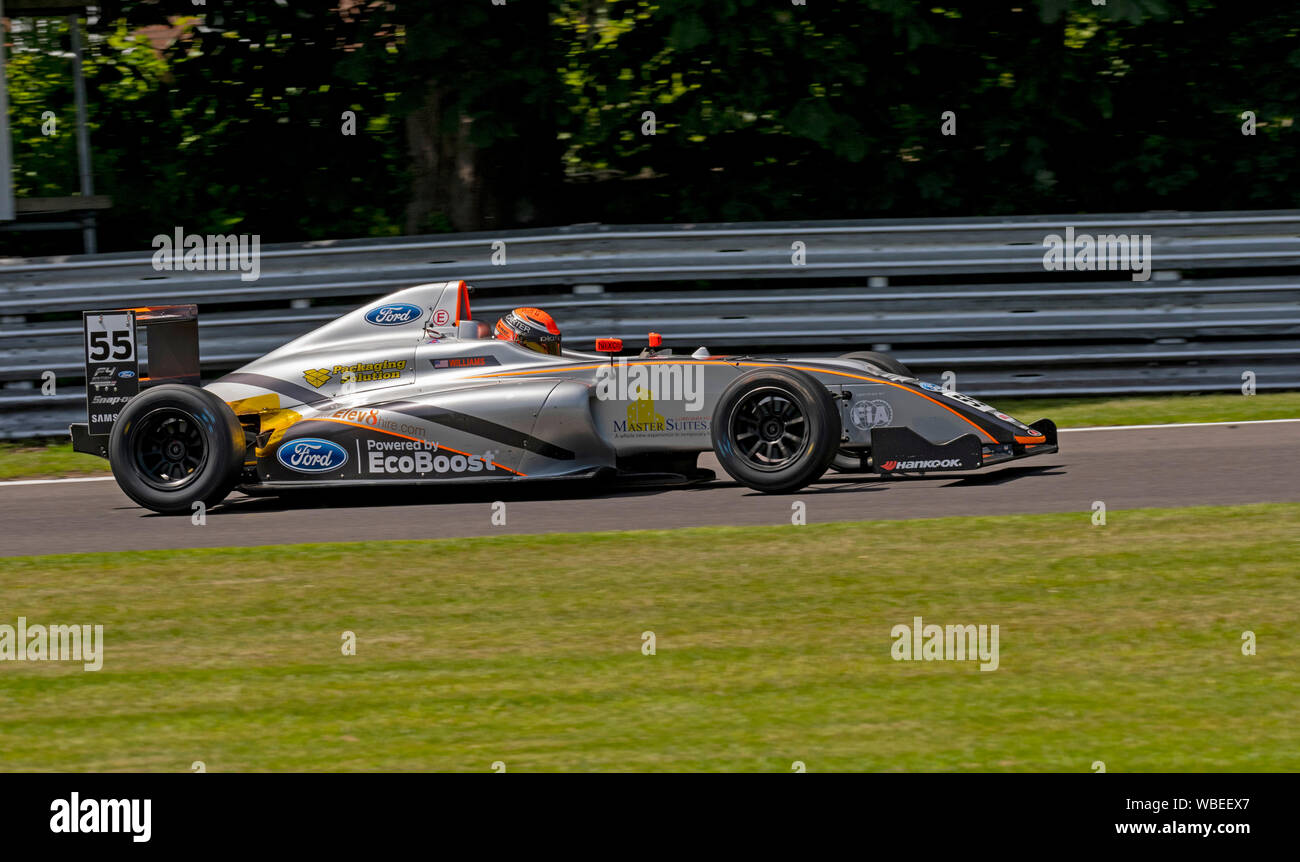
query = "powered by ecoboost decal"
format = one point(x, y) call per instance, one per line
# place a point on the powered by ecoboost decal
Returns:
point(419, 458)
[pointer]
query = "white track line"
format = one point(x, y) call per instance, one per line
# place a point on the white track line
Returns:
point(1061, 430)
point(1176, 425)
point(57, 481)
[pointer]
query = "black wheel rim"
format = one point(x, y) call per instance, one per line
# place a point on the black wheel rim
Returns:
point(169, 448)
point(769, 429)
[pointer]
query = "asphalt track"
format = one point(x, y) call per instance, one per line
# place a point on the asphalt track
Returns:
point(1125, 468)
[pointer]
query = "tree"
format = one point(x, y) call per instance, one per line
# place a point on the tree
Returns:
point(479, 115)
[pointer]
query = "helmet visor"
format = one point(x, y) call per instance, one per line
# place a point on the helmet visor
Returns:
point(551, 348)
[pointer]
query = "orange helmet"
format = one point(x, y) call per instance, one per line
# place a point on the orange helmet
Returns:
point(531, 328)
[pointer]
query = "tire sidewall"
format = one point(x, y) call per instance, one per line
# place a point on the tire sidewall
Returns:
point(823, 420)
point(222, 436)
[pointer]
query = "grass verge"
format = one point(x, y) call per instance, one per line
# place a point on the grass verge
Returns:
point(46, 459)
point(1153, 410)
point(1120, 643)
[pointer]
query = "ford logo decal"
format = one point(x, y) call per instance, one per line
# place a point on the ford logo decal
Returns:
point(126, 375)
point(311, 455)
point(394, 315)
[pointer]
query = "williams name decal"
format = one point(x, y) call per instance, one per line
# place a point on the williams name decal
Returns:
point(465, 362)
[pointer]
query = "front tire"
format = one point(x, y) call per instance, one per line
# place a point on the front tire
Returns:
point(775, 430)
point(173, 446)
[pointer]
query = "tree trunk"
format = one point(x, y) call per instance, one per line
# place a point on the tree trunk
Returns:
point(446, 186)
point(458, 185)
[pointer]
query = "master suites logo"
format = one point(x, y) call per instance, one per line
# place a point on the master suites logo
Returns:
point(641, 384)
point(644, 420)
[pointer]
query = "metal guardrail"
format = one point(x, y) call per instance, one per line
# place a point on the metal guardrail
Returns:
point(964, 295)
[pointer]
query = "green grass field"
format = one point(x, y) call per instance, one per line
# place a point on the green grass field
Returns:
point(1154, 409)
point(1119, 643)
point(49, 459)
point(46, 459)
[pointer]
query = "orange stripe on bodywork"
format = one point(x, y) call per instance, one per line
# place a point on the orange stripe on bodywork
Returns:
point(965, 419)
point(416, 439)
point(462, 302)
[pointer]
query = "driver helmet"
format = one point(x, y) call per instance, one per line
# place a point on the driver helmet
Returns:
point(531, 328)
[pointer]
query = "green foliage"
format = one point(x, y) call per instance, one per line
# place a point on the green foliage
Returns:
point(833, 109)
point(763, 110)
point(222, 129)
point(41, 112)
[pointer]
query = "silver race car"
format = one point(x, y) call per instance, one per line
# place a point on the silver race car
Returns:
point(412, 390)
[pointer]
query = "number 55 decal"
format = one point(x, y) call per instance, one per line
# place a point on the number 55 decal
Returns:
point(112, 368)
point(119, 348)
point(110, 337)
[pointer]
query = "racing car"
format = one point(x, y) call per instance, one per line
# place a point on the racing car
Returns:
point(412, 390)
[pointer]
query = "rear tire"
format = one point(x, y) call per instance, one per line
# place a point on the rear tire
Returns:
point(775, 429)
point(173, 446)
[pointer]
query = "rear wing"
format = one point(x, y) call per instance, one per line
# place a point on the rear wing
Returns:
point(129, 349)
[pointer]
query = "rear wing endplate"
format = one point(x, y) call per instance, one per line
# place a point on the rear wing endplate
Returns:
point(129, 349)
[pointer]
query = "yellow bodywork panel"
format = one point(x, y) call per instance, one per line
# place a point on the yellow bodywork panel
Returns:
point(270, 417)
